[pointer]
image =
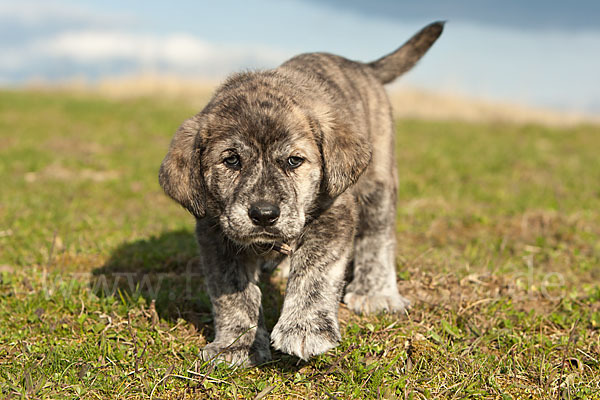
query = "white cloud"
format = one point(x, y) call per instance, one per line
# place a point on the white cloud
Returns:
point(178, 53)
point(94, 46)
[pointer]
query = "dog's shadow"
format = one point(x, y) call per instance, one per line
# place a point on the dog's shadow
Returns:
point(165, 269)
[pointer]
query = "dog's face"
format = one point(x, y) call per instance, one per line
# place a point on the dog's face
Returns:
point(258, 161)
point(262, 170)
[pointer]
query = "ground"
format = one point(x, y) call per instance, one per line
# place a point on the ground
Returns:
point(498, 248)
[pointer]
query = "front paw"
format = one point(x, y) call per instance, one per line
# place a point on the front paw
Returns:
point(376, 303)
point(233, 355)
point(307, 338)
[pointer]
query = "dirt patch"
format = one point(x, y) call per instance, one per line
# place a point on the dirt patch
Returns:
point(65, 145)
point(60, 173)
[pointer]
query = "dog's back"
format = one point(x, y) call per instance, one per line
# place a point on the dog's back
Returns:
point(352, 80)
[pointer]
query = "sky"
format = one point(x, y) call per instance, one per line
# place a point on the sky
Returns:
point(544, 53)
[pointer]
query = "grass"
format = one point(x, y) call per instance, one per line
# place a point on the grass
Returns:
point(498, 247)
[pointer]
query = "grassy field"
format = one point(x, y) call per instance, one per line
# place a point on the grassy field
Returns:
point(498, 247)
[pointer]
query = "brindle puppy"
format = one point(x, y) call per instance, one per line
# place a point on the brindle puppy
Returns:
point(299, 156)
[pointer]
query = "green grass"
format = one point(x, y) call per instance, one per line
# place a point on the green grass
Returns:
point(498, 247)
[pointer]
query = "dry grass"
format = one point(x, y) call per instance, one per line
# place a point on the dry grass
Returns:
point(422, 104)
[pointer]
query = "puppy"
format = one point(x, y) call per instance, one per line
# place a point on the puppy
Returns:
point(294, 165)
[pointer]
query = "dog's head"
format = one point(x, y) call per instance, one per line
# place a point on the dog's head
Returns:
point(261, 157)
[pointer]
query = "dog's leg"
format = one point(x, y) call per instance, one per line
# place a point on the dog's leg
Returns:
point(373, 287)
point(241, 337)
point(308, 324)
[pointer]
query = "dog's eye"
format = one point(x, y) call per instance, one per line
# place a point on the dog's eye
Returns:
point(232, 161)
point(295, 162)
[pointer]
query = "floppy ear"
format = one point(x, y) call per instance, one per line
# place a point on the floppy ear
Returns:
point(180, 173)
point(346, 155)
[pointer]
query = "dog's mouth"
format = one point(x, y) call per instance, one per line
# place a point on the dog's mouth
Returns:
point(261, 240)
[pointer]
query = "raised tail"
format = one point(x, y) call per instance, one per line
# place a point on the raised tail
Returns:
point(391, 66)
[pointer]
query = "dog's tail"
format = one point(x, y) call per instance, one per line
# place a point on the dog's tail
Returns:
point(391, 66)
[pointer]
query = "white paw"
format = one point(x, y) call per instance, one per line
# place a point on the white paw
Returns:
point(305, 340)
point(372, 304)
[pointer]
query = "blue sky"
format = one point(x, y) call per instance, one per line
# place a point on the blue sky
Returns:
point(543, 53)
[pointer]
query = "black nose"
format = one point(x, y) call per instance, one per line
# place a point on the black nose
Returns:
point(263, 213)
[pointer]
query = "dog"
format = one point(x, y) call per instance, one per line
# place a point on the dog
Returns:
point(294, 166)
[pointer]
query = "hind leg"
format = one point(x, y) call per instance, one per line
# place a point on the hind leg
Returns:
point(373, 286)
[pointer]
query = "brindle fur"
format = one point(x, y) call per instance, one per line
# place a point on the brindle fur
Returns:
point(337, 209)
